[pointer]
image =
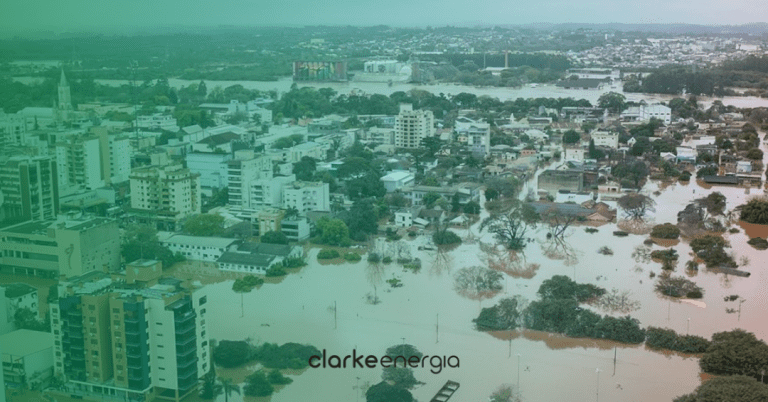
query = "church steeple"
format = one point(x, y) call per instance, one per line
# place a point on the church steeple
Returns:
point(65, 98)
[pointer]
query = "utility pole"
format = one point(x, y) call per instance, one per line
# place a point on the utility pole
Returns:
point(741, 301)
point(437, 328)
point(597, 390)
point(518, 373)
point(334, 315)
point(688, 326)
point(614, 359)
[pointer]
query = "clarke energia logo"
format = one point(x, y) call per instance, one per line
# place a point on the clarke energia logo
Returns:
point(437, 363)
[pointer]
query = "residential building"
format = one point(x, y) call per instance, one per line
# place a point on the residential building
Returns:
point(243, 170)
point(27, 358)
point(119, 341)
point(397, 180)
point(379, 136)
point(574, 154)
point(605, 139)
point(13, 129)
point(306, 196)
point(269, 192)
point(92, 160)
point(29, 188)
point(412, 126)
point(21, 296)
point(7, 323)
point(169, 193)
point(69, 246)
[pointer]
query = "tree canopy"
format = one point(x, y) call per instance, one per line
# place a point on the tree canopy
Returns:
point(204, 225)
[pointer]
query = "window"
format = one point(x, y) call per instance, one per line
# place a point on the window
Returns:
point(203, 300)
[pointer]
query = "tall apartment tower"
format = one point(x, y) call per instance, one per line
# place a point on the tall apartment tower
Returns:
point(170, 193)
point(412, 126)
point(133, 341)
point(29, 188)
point(92, 160)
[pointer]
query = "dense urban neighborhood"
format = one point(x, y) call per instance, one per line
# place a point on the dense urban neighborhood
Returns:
point(202, 220)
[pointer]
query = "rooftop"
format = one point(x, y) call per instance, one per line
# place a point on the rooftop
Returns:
point(14, 290)
point(24, 342)
point(261, 260)
point(216, 242)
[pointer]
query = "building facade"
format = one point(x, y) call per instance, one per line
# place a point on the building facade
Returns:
point(29, 188)
point(130, 342)
point(169, 193)
point(306, 196)
point(412, 126)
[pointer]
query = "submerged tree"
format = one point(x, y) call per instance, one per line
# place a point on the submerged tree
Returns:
point(635, 205)
point(510, 226)
point(477, 282)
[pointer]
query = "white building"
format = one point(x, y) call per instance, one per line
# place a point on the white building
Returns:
point(171, 192)
point(605, 139)
point(242, 171)
point(157, 121)
point(27, 358)
point(647, 112)
point(296, 229)
point(92, 160)
point(13, 129)
point(212, 168)
point(574, 154)
point(397, 180)
point(196, 247)
point(269, 192)
point(412, 126)
point(379, 135)
point(478, 137)
point(306, 196)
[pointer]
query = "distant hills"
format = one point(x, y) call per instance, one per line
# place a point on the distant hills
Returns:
point(755, 28)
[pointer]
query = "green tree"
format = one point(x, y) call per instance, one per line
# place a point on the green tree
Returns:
point(735, 352)
point(257, 384)
point(228, 387)
point(25, 318)
point(211, 387)
point(613, 101)
point(571, 137)
point(635, 205)
point(732, 388)
point(334, 232)
point(510, 227)
point(273, 237)
point(383, 392)
point(472, 208)
point(755, 211)
point(231, 354)
point(245, 285)
point(632, 171)
point(755, 154)
point(141, 242)
point(305, 168)
point(204, 225)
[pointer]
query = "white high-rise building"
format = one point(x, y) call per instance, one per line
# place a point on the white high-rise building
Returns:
point(243, 171)
point(269, 192)
point(306, 196)
point(12, 129)
point(412, 126)
point(93, 160)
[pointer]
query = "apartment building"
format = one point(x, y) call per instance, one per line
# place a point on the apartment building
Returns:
point(306, 196)
point(242, 171)
point(168, 194)
point(412, 126)
point(92, 160)
point(29, 188)
point(119, 341)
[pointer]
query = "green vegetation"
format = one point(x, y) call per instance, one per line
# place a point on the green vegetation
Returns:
point(445, 237)
point(141, 242)
point(328, 254)
point(710, 248)
point(204, 225)
point(663, 338)
point(561, 287)
point(755, 211)
point(758, 243)
point(273, 237)
point(353, 257)
point(678, 286)
point(333, 232)
point(665, 231)
point(294, 262)
point(729, 388)
point(276, 270)
point(505, 315)
point(287, 356)
point(735, 352)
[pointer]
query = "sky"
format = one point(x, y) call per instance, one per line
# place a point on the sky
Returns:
point(82, 15)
